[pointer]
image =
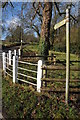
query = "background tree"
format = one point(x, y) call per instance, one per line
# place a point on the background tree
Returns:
point(30, 21)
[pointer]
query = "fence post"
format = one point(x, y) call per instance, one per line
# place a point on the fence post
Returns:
point(19, 53)
point(4, 63)
point(67, 53)
point(9, 57)
point(44, 75)
point(14, 52)
point(39, 75)
point(54, 59)
point(15, 68)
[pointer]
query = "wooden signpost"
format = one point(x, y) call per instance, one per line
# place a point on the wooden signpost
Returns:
point(58, 25)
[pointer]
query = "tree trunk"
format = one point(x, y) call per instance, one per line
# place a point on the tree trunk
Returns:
point(45, 29)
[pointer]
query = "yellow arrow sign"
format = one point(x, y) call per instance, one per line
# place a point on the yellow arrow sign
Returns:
point(58, 25)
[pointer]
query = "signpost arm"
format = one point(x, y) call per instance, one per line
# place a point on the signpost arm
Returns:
point(67, 53)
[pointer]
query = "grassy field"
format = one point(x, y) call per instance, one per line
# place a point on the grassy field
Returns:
point(32, 48)
point(59, 55)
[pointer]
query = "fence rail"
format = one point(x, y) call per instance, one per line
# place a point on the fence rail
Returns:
point(27, 82)
point(60, 90)
point(27, 76)
point(9, 69)
point(27, 63)
point(58, 80)
point(8, 74)
point(59, 68)
point(27, 70)
point(53, 67)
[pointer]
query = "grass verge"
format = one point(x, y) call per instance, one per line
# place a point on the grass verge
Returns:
point(21, 101)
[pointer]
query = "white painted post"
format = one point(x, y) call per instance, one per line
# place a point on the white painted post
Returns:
point(4, 63)
point(14, 52)
point(15, 68)
point(9, 57)
point(67, 53)
point(39, 75)
point(3, 58)
point(21, 44)
point(19, 53)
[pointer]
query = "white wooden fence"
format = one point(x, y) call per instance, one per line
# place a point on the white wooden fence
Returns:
point(11, 64)
point(12, 68)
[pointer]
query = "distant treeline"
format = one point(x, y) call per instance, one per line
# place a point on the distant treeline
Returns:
point(60, 40)
point(57, 39)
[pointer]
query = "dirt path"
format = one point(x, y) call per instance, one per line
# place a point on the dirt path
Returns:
point(12, 48)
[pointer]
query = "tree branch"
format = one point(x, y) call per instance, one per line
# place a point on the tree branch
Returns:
point(57, 8)
point(74, 18)
point(4, 4)
point(34, 27)
point(64, 12)
point(37, 10)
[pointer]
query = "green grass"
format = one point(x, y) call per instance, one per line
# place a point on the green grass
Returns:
point(21, 101)
point(31, 48)
point(59, 55)
point(62, 55)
